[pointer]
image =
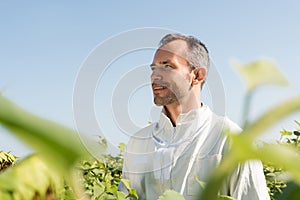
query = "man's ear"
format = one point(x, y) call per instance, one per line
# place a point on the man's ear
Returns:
point(199, 75)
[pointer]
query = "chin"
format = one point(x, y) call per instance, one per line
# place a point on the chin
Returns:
point(158, 103)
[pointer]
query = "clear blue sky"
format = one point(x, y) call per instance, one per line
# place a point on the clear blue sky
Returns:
point(43, 44)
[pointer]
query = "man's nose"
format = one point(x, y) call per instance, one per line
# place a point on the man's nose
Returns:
point(156, 76)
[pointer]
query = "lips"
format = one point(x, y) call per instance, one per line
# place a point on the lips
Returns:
point(158, 88)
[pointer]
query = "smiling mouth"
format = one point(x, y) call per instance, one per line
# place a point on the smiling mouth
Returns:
point(158, 88)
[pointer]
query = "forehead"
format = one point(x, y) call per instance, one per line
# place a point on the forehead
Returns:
point(174, 50)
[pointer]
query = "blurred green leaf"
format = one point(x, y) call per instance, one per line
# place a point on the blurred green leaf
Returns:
point(201, 183)
point(27, 178)
point(121, 195)
point(98, 189)
point(59, 146)
point(171, 195)
point(281, 155)
point(285, 132)
point(243, 149)
point(272, 116)
point(223, 197)
point(132, 194)
point(6, 160)
point(122, 147)
point(126, 183)
point(258, 73)
point(297, 133)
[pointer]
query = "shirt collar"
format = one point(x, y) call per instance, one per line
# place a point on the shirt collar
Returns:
point(186, 124)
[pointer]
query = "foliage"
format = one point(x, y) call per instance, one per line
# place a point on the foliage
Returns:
point(274, 183)
point(170, 195)
point(59, 149)
point(276, 177)
point(50, 173)
point(258, 73)
point(6, 160)
point(28, 179)
point(255, 75)
point(59, 146)
point(103, 175)
point(242, 144)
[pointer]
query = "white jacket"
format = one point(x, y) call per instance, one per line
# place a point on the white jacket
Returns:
point(161, 157)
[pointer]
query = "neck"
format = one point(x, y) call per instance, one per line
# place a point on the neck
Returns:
point(175, 109)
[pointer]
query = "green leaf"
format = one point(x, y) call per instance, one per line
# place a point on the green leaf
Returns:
point(113, 190)
point(298, 123)
point(122, 146)
point(201, 183)
point(60, 147)
point(272, 116)
point(259, 73)
point(285, 132)
point(171, 195)
point(132, 193)
point(27, 178)
point(297, 133)
point(223, 197)
point(126, 183)
point(242, 148)
point(271, 174)
point(98, 189)
point(121, 195)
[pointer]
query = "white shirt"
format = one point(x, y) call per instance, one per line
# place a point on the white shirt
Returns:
point(161, 157)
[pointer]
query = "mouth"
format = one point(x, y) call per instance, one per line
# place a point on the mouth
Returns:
point(158, 88)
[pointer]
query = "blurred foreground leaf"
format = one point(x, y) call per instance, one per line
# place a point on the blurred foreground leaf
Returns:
point(258, 73)
point(6, 160)
point(28, 179)
point(222, 197)
point(243, 149)
point(59, 146)
point(171, 195)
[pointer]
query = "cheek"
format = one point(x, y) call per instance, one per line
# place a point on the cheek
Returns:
point(182, 79)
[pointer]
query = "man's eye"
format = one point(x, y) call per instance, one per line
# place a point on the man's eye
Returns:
point(168, 66)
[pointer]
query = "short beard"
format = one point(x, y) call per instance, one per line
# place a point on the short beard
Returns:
point(166, 100)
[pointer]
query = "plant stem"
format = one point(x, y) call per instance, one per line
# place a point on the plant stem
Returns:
point(246, 109)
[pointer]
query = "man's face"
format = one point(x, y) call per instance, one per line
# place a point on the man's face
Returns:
point(171, 74)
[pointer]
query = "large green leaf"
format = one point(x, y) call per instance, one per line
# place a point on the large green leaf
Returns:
point(271, 117)
point(243, 149)
point(258, 73)
point(28, 178)
point(59, 146)
point(171, 195)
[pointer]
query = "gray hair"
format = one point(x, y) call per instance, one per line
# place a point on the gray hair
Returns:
point(197, 54)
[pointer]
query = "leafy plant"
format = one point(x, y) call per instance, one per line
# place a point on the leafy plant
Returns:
point(276, 177)
point(170, 195)
point(29, 179)
point(275, 184)
point(255, 75)
point(60, 147)
point(103, 175)
point(59, 150)
point(6, 160)
point(242, 144)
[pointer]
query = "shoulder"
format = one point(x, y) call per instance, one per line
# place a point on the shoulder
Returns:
point(225, 124)
point(232, 126)
point(219, 141)
point(139, 139)
point(142, 133)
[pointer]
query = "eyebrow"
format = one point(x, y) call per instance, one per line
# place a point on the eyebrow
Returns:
point(162, 63)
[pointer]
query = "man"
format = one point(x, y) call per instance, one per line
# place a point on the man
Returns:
point(187, 141)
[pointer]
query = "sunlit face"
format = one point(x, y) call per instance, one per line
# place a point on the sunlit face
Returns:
point(171, 74)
